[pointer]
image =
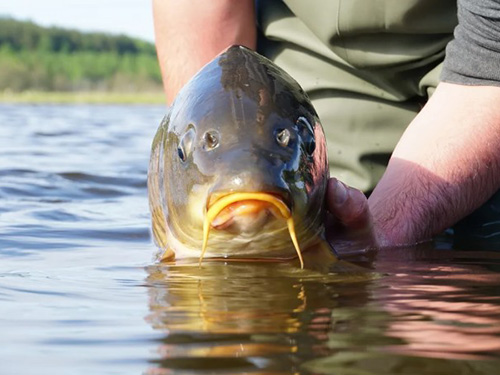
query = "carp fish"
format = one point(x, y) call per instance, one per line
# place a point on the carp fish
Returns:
point(238, 166)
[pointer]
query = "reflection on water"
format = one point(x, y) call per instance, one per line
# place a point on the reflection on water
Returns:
point(79, 294)
point(406, 315)
point(270, 317)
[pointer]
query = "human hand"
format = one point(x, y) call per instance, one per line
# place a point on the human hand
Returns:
point(349, 226)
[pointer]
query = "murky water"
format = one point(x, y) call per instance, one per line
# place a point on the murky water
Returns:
point(79, 293)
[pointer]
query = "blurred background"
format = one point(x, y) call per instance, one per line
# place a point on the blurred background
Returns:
point(82, 51)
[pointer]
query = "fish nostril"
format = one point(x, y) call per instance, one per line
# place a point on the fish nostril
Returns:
point(210, 140)
point(283, 137)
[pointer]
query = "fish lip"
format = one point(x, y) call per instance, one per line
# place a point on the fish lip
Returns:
point(283, 196)
point(214, 209)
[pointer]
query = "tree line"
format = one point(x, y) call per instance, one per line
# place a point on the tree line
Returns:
point(33, 57)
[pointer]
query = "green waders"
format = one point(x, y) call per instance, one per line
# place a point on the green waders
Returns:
point(368, 66)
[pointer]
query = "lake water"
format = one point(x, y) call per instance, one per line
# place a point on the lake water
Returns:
point(80, 293)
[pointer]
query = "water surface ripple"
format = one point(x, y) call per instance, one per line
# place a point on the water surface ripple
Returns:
point(80, 294)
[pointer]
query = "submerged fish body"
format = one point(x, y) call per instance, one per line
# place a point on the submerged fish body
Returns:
point(238, 166)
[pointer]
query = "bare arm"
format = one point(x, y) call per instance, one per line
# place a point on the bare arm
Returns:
point(190, 33)
point(446, 165)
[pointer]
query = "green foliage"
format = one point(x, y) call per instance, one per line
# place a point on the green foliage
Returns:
point(54, 59)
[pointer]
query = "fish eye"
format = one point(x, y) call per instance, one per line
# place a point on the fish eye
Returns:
point(307, 134)
point(211, 140)
point(181, 153)
point(283, 137)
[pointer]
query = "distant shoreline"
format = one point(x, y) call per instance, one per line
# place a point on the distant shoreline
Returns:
point(76, 97)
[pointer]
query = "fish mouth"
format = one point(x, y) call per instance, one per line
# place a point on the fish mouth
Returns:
point(221, 210)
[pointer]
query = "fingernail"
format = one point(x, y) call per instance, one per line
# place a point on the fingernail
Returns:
point(340, 193)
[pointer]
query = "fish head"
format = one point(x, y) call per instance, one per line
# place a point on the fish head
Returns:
point(242, 157)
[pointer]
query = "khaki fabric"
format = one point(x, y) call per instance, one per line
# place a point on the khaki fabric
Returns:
point(367, 65)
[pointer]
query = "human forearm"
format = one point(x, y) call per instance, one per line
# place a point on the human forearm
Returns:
point(190, 33)
point(446, 164)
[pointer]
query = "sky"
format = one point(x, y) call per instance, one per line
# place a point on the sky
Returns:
point(130, 17)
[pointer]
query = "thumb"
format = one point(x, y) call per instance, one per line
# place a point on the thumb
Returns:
point(348, 205)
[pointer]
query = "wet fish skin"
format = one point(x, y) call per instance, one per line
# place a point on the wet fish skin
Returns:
point(241, 124)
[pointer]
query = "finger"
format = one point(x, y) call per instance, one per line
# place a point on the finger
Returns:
point(348, 205)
